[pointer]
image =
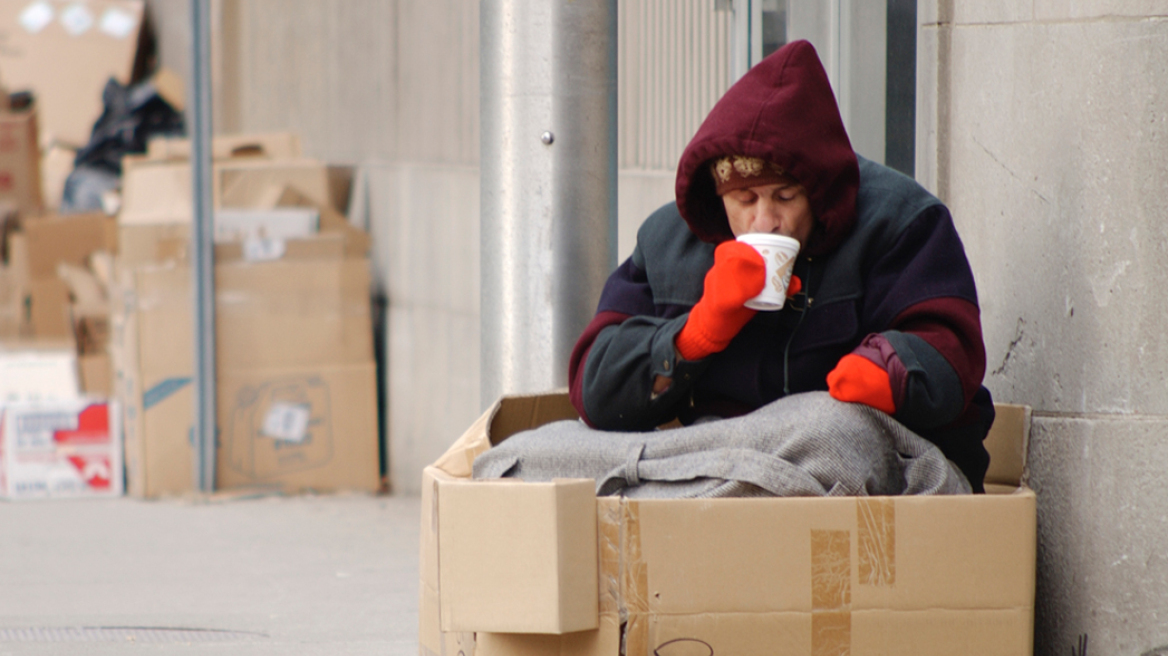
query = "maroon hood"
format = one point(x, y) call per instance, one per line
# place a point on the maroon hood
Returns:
point(783, 110)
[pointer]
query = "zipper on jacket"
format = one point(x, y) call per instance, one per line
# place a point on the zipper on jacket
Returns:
point(787, 347)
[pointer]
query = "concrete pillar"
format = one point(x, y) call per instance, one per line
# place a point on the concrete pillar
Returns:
point(1044, 126)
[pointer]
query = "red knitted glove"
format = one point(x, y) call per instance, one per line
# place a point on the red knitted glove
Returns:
point(857, 379)
point(738, 275)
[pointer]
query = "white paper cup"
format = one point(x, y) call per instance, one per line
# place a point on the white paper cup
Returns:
point(779, 252)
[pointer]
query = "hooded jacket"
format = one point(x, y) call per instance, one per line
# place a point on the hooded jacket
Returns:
point(884, 276)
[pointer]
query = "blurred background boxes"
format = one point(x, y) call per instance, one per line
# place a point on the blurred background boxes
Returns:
point(297, 395)
point(293, 336)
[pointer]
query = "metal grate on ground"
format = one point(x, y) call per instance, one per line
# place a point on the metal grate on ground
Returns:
point(145, 634)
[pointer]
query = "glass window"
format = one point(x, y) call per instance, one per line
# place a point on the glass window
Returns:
point(774, 25)
point(868, 48)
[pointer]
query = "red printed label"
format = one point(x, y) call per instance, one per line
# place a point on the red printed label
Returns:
point(92, 427)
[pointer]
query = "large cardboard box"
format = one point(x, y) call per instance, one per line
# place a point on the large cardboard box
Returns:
point(64, 52)
point(58, 449)
point(307, 428)
point(847, 575)
point(297, 405)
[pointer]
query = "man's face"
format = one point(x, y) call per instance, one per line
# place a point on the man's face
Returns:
point(780, 208)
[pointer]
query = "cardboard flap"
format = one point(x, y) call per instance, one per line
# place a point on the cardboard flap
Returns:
point(517, 557)
point(509, 415)
point(459, 458)
point(1007, 442)
point(520, 413)
point(247, 182)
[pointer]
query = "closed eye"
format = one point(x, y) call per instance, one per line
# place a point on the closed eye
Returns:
point(787, 193)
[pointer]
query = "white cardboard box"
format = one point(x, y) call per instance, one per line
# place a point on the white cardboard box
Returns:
point(38, 375)
point(58, 449)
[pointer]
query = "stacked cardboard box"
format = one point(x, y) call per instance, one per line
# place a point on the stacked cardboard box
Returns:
point(509, 567)
point(297, 405)
point(59, 435)
point(54, 441)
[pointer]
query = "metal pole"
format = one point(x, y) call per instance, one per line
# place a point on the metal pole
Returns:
point(202, 247)
point(548, 195)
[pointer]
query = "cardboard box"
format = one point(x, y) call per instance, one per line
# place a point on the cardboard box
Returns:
point(37, 372)
point(13, 313)
point(858, 575)
point(546, 555)
point(277, 223)
point(69, 239)
point(159, 191)
point(20, 159)
point(64, 52)
point(140, 244)
point(97, 375)
point(155, 393)
point(60, 449)
point(294, 344)
point(14, 319)
point(309, 428)
point(48, 306)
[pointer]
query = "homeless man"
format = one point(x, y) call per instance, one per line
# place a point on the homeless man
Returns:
point(882, 308)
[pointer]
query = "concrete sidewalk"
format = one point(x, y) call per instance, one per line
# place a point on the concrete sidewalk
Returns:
point(270, 575)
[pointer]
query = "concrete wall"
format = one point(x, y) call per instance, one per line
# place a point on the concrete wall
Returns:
point(1044, 125)
point(390, 86)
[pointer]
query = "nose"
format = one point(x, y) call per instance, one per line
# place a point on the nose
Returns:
point(767, 216)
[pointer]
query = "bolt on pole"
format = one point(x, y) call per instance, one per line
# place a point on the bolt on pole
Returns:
point(548, 183)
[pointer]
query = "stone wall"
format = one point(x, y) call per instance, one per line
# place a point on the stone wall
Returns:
point(1044, 125)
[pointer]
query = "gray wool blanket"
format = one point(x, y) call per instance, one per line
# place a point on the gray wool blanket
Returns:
point(800, 445)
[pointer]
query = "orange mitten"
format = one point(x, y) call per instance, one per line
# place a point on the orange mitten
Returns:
point(857, 379)
point(738, 275)
point(794, 287)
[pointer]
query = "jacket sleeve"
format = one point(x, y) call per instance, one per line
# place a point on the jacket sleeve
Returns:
point(622, 351)
point(923, 306)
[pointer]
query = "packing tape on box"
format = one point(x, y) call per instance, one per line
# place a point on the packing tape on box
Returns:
point(831, 592)
point(608, 530)
point(635, 574)
point(831, 572)
point(876, 540)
